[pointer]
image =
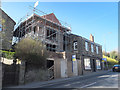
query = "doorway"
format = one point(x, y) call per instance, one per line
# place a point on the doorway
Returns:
point(94, 65)
point(50, 67)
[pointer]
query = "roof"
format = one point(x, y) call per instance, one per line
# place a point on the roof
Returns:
point(7, 15)
point(86, 39)
point(52, 18)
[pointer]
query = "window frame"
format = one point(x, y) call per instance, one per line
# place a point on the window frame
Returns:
point(87, 64)
point(98, 64)
point(74, 45)
point(86, 46)
point(97, 49)
point(92, 47)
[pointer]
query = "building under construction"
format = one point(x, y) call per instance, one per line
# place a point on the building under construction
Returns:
point(79, 55)
point(48, 29)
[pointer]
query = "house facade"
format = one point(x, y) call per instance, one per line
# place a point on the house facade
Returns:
point(88, 55)
point(7, 28)
point(6, 34)
point(73, 55)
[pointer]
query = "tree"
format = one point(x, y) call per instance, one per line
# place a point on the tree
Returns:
point(32, 51)
point(108, 54)
point(113, 54)
point(103, 52)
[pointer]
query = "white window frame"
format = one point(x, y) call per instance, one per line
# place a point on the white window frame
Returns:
point(75, 45)
point(86, 46)
point(92, 47)
point(87, 64)
point(97, 51)
point(98, 65)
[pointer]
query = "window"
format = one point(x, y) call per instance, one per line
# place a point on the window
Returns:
point(98, 66)
point(75, 46)
point(92, 48)
point(51, 34)
point(86, 46)
point(0, 27)
point(87, 63)
point(51, 47)
point(97, 49)
point(35, 29)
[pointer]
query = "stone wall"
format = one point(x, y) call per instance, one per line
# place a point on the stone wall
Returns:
point(89, 51)
point(81, 46)
point(36, 75)
point(8, 27)
point(22, 73)
point(81, 53)
point(31, 75)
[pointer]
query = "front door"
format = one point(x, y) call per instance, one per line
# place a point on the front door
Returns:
point(94, 65)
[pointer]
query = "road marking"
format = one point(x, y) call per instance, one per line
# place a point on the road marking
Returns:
point(88, 85)
point(46, 85)
point(67, 85)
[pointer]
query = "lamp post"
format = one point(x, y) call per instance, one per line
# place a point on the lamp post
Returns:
point(105, 46)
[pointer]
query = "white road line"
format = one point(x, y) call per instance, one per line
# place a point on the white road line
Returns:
point(46, 85)
point(67, 85)
point(88, 85)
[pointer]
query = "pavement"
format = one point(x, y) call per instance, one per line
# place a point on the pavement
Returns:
point(55, 81)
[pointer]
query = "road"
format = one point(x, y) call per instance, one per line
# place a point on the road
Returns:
point(108, 80)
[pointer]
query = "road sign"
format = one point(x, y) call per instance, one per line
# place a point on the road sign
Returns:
point(105, 59)
point(73, 57)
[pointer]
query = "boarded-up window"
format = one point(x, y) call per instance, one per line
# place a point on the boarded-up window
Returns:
point(98, 66)
point(87, 63)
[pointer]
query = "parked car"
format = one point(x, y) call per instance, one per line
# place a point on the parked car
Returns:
point(116, 68)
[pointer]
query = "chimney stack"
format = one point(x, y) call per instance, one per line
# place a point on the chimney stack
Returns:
point(91, 38)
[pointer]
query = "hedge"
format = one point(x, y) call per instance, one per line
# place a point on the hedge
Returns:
point(7, 54)
point(110, 60)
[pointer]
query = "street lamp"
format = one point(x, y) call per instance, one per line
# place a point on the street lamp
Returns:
point(105, 46)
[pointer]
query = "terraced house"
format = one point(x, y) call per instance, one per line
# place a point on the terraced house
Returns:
point(73, 55)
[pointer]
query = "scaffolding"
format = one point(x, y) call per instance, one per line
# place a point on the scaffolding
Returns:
point(55, 35)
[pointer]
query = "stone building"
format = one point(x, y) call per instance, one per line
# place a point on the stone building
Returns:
point(6, 34)
point(73, 55)
point(7, 30)
point(88, 54)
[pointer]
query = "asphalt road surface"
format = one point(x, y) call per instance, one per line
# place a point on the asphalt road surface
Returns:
point(108, 80)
